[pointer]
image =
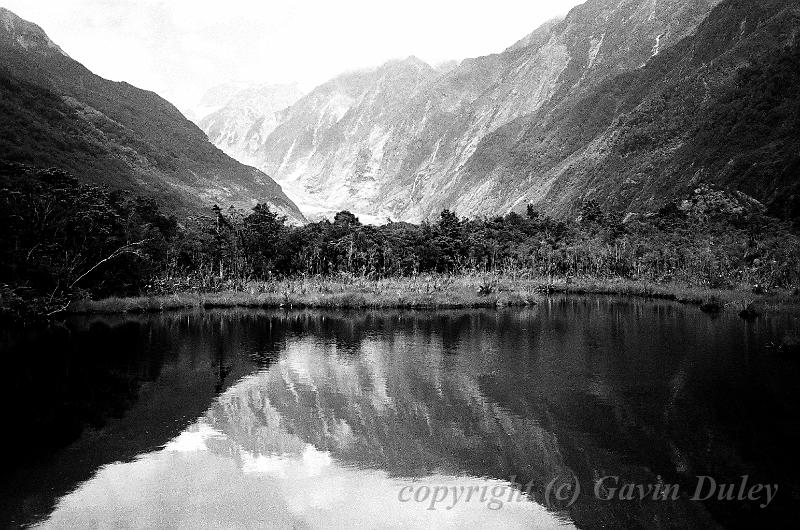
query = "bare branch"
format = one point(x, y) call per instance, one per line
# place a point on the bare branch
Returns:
point(126, 249)
point(59, 310)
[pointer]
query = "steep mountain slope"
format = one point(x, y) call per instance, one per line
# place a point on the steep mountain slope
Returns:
point(55, 112)
point(248, 116)
point(329, 146)
point(403, 162)
point(720, 106)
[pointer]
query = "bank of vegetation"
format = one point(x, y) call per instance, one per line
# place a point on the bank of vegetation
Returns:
point(71, 247)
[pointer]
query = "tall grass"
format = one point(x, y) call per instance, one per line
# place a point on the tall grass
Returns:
point(429, 291)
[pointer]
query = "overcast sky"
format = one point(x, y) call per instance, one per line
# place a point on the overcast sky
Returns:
point(180, 48)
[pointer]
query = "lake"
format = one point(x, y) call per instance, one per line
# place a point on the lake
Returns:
point(535, 417)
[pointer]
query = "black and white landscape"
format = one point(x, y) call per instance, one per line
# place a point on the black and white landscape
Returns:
point(556, 284)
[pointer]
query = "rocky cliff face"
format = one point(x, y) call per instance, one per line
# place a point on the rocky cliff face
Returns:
point(716, 106)
point(330, 148)
point(396, 142)
point(595, 42)
point(57, 113)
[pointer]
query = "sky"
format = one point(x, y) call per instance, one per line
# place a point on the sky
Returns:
point(181, 48)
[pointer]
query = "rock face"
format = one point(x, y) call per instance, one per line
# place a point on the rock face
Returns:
point(719, 106)
point(331, 147)
point(406, 140)
point(56, 113)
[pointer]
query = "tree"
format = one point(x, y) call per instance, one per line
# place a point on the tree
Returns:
point(264, 236)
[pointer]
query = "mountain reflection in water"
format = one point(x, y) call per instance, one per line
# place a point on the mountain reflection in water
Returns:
point(320, 419)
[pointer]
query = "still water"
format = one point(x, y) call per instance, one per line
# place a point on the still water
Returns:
point(388, 419)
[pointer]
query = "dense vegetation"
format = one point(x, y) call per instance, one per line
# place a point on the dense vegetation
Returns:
point(750, 136)
point(63, 240)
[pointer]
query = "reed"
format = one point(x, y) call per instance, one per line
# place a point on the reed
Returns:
point(434, 291)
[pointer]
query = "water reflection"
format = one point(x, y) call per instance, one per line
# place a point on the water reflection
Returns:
point(204, 478)
point(247, 418)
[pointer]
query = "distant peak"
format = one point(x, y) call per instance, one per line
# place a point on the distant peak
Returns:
point(409, 62)
point(416, 61)
point(26, 34)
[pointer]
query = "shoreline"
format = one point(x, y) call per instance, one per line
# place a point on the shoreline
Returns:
point(438, 292)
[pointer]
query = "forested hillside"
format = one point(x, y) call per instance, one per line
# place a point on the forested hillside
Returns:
point(56, 113)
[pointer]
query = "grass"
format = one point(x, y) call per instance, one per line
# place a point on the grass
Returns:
point(437, 292)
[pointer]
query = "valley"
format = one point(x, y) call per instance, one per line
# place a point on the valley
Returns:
point(627, 141)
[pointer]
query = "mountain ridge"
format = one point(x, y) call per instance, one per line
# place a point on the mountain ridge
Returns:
point(629, 103)
point(637, 152)
point(58, 113)
point(359, 104)
point(27, 34)
point(404, 160)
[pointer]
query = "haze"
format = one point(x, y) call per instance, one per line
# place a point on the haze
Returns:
point(180, 48)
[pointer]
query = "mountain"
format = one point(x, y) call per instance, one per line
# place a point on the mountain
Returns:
point(330, 146)
point(720, 106)
point(56, 113)
point(245, 119)
point(397, 141)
